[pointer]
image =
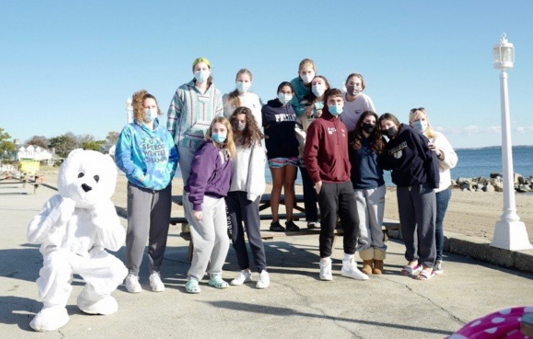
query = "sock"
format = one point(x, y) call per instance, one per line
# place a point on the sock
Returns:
point(325, 260)
point(347, 257)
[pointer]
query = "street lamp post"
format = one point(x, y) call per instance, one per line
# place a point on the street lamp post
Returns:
point(129, 108)
point(509, 233)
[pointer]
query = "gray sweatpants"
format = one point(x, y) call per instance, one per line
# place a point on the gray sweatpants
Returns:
point(209, 236)
point(370, 208)
point(148, 219)
point(417, 208)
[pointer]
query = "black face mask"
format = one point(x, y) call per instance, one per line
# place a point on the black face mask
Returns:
point(369, 128)
point(390, 132)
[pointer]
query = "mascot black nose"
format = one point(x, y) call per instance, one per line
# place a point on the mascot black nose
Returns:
point(86, 187)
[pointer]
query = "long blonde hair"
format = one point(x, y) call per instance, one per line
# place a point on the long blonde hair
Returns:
point(415, 113)
point(229, 143)
point(233, 97)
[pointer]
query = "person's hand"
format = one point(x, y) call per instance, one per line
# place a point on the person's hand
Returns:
point(309, 111)
point(318, 187)
point(197, 215)
point(438, 151)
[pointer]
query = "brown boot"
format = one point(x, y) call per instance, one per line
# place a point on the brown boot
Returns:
point(378, 267)
point(367, 267)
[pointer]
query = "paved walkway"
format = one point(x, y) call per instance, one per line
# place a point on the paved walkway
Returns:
point(296, 305)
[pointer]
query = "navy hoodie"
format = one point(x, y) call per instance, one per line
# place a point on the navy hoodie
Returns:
point(279, 122)
point(410, 159)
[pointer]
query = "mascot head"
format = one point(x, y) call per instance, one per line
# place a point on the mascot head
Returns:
point(87, 177)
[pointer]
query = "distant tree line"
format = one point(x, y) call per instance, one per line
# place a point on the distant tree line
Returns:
point(62, 144)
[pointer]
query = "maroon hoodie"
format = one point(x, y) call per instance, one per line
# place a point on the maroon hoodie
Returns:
point(326, 150)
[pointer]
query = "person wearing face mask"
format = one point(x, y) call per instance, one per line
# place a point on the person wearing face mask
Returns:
point(315, 98)
point(279, 121)
point(366, 143)
point(327, 161)
point(356, 101)
point(242, 97)
point(302, 86)
point(205, 210)
point(447, 160)
point(191, 110)
point(247, 186)
point(146, 153)
point(415, 171)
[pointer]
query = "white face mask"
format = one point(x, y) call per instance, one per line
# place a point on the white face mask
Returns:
point(150, 114)
point(284, 98)
point(202, 76)
point(307, 78)
point(243, 87)
point(318, 90)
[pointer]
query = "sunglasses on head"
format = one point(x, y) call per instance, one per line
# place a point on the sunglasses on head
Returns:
point(418, 109)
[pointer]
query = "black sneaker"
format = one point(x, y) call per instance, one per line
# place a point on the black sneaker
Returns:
point(291, 226)
point(275, 226)
point(312, 225)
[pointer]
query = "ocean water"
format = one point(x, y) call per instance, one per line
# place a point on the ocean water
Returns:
point(475, 163)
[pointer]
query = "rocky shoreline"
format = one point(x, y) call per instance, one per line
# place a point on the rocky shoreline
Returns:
point(494, 183)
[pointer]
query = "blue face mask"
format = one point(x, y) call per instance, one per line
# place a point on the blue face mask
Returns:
point(335, 110)
point(218, 137)
point(420, 125)
point(150, 114)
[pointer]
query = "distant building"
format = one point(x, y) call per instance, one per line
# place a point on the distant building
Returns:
point(35, 153)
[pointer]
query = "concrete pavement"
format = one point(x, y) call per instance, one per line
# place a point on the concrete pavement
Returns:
point(296, 305)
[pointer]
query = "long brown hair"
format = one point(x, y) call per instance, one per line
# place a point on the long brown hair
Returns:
point(251, 135)
point(376, 139)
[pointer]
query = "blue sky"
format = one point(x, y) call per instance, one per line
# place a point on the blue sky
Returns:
point(70, 65)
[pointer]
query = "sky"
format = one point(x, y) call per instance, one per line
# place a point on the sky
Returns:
point(69, 66)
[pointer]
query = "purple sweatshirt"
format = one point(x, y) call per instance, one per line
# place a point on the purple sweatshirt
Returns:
point(210, 174)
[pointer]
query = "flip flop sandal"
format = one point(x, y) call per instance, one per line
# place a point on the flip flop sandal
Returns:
point(410, 270)
point(192, 286)
point(217, 282)
point(425, 275)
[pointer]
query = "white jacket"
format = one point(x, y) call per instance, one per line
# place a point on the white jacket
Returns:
point(449, 161)
point(248, 171)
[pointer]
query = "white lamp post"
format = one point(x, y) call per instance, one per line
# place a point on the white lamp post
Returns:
point(129, 108)
point(509, 233)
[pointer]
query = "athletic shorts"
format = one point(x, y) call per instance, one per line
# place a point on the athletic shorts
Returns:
point(281, 162)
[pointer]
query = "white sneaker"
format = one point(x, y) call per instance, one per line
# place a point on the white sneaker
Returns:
point(242, 277)
point(325, 269)
point(349, 269)
point(264, 280)
point(155, 282)
point(132, 284)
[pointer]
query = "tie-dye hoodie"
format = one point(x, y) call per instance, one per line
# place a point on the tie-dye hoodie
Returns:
point(148, 157)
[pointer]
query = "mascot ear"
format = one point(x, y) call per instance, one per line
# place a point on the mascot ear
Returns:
point(74, 151)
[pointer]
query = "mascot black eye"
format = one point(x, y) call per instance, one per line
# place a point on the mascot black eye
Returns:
point(81, 174)
point(96, 178)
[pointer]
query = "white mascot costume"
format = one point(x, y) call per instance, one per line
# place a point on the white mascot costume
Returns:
point(74, 228)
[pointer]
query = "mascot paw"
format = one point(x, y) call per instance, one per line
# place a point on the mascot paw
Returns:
point(50, 319)
point(104, 306)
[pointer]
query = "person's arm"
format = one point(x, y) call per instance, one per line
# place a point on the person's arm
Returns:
point(431, 162)
point(123, 155)
point(202, 167)
point(173, 157)
point(174, 113)
point(311, 152)
point(219, 105)
point(256, 172)
point(445, 152)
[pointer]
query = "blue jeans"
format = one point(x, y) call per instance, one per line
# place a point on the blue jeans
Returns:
point(442, 197)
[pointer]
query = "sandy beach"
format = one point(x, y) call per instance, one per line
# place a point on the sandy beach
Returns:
point(469, 213)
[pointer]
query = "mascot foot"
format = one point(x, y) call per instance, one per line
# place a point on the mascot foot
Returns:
point(105, 306)
point(50, 319)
